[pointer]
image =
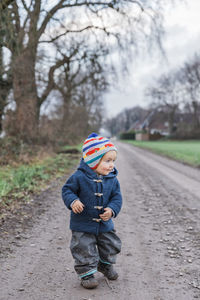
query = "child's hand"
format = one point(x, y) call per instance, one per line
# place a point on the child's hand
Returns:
point(77, 207)
point(107, 214)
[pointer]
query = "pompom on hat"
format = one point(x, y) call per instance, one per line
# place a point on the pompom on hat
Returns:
point(94, 148)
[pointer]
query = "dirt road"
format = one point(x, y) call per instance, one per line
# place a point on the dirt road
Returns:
point(159, 226)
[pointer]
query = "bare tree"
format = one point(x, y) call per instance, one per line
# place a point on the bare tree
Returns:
point(167, 94)
point(191, 81)
point(80, 76)
point(35, 22)
point(125, 120)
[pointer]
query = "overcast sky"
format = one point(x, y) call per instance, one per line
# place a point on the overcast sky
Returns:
point(181, 41)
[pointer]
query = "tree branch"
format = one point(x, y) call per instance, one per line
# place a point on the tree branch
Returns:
point(61, 5)
point(73, 31)
point(17, 17)
point(51, 82)
point(5, 3)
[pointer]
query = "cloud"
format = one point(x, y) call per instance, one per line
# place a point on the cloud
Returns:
point(180, 43)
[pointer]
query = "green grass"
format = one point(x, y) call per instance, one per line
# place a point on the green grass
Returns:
point(68, 147)
point(20, 182)
point(184, 151)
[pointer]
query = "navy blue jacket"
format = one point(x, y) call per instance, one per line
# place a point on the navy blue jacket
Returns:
point(96, 193)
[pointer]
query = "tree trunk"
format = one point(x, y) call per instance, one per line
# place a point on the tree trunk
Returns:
point(25, 95)
point(171, 116)
point(5, 87)
point(195, 107)
point(66, 117)
point(1, 121)
point(4, 91)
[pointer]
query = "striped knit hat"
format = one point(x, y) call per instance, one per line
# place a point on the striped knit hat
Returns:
point(94, 148)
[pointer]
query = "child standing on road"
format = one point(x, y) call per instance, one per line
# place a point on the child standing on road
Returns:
point(93, 195)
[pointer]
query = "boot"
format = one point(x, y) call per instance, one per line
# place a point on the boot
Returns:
point(89, 282)
point(107, 270)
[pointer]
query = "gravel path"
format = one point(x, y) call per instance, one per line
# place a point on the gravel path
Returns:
point(159, 226)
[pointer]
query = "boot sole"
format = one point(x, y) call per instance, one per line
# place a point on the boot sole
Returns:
point(89, 285)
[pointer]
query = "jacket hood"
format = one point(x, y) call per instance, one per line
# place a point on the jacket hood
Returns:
point(92, 174)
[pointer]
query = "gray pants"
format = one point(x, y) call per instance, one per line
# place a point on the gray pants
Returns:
point(88, 249)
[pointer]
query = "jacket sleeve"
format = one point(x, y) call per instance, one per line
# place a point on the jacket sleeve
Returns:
point(70, 190)
point(115, 202)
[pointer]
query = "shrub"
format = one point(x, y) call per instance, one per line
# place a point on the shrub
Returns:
point(130, 135)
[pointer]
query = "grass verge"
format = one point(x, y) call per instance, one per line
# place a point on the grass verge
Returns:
point(24, 180)
point(184, 151)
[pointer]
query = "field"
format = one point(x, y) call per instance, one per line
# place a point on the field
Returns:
point(184, 151)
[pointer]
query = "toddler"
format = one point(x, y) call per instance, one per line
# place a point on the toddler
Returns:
point(93, 195)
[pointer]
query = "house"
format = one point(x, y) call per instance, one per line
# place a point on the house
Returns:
point(153, 126)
